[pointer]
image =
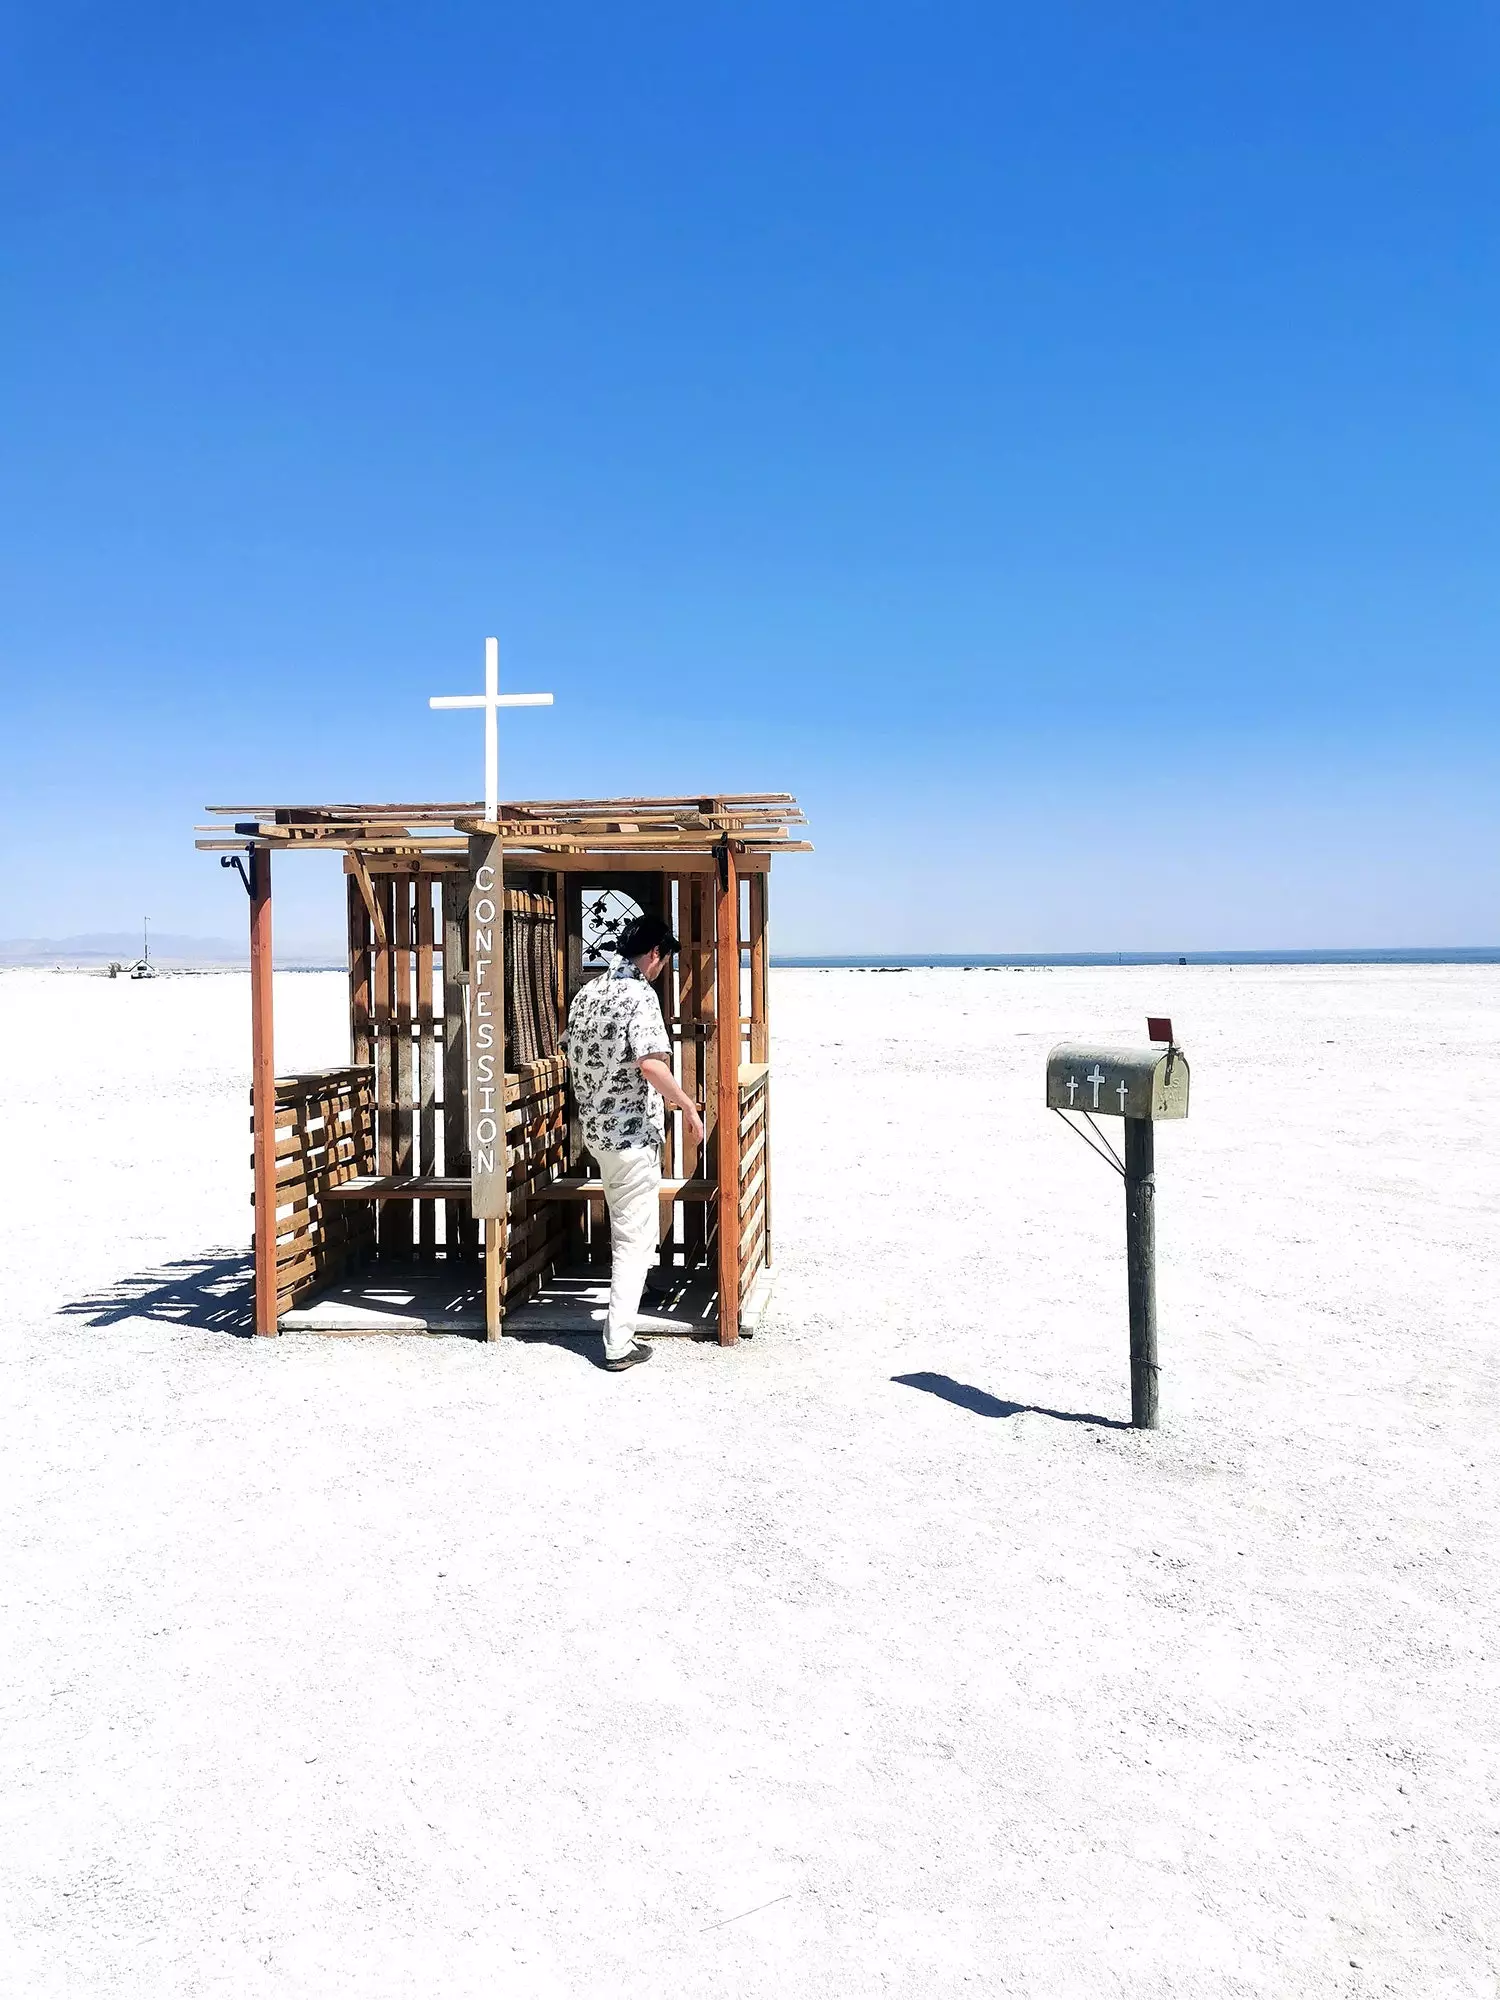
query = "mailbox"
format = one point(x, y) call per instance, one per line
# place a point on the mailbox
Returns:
point(1127, 1083)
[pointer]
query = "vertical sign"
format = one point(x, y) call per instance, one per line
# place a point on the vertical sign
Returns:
point(487, 1027)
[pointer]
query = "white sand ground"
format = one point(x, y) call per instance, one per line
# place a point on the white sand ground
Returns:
point(398, 1667)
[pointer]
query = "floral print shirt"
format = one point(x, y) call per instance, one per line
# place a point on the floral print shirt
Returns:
point(614, 1021)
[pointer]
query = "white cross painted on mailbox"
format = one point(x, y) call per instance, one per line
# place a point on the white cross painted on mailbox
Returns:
point(1122, 1091)
point(491, 701)
point(1096, 1078)
point(1072, 1088)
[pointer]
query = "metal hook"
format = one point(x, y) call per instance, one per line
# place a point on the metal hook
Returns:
point(234, 861)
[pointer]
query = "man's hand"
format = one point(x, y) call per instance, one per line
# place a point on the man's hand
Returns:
point(657, 1070)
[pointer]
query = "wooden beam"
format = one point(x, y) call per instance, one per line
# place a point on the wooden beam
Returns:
point(263, 1091)
point(759, 960)
point(496, 1233)
point(361, 875)
point(457, 1223)
point(680, 861)
point(425, 1161)
point(560, 916)
point(727, 1019)
point(361, 1046)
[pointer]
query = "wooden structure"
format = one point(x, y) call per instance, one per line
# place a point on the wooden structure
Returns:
point(457, 925)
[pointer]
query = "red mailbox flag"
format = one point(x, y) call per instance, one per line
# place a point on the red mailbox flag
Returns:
point(1158, 1028)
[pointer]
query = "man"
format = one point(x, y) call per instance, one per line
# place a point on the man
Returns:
point(620, 1056)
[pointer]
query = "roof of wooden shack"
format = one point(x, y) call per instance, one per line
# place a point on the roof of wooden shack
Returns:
point(760, 822)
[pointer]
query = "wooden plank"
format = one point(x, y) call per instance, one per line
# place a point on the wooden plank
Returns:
point(263, 1091)
point(426, 1149)
point(758, 969)
point(381, 1028)
point(727, 1060)
point(494, 1273)
point(395, 1224)
point(762, 884)
point(752, 1264)
point(312, 1082)
point(591, 861)
point(577, 1187)
point(360, 876)
point(394, 1187)
point(692, 1009)
point(360, 1044)
point(551, 1252)
point(751, 1189)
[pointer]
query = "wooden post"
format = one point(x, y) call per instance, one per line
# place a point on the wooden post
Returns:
point(426, 1079)
point(560, 916)
point(495, 1234)
point(727, 1037)
point(457, 1222)
point(359, 976)
point(397, 1221)
point(263, 1089)
point(759, 1039)
point(760, 1029)
point(489, 1179)
point(1140, 1266)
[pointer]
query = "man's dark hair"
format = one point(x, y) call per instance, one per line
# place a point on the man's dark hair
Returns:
point(643, 934)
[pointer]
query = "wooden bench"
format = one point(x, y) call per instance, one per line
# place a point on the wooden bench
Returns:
point(575, 1188)
point(441, 1187)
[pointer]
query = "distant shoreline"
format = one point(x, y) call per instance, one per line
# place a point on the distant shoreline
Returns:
point(1464, 954)
point(1479, 954)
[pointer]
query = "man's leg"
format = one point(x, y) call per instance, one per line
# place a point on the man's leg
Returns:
point(632, 1188)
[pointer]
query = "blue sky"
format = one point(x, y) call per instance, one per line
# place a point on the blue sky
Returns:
point(1058, 443)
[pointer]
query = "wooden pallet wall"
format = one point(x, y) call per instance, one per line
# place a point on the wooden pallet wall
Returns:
point(755, 1159)
point(407, 1000)
point(536, 1130)
point(325, 1135)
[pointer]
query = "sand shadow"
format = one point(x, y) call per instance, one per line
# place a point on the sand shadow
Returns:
point(214, 1291)
point(966, 1397)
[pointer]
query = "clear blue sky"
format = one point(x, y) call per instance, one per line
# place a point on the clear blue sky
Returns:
point(1060, 443)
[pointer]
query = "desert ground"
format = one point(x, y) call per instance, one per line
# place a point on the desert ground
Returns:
point(877, 1656)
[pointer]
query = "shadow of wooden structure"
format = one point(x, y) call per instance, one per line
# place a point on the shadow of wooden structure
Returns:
point(448, 1142)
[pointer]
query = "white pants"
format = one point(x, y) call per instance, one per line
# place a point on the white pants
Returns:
point(632, 1188)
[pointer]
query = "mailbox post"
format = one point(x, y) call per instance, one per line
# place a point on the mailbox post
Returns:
point(1140, 1269)
point(1139, 1086)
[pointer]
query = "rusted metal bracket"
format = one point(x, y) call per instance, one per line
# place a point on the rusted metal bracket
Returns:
point(234, 861)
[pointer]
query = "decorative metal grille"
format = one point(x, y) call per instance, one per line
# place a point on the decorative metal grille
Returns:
point(606, 912)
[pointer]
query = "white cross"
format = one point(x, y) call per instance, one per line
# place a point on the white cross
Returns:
point(1096, 1078)
point(1072, 1088)
point(1122, 1091)
point(491, 701)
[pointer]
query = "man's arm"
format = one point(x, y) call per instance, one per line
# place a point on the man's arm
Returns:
point(657, 1070)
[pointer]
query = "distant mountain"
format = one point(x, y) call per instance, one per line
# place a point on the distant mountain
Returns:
point(99, 947)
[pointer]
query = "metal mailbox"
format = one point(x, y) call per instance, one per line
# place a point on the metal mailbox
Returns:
point(1147, 1083)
